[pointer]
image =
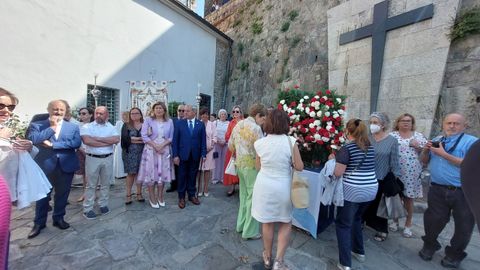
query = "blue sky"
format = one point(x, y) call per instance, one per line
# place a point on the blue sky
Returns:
point(200, 4)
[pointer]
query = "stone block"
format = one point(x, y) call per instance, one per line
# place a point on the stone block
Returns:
point(394, 45)
point(420, 85)
point(444, 13)
point(122, 247)
point(390, 88)
point(340, 12)
point(426, 40)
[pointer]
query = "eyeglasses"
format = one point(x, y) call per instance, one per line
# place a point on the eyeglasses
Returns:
point(180, 110)
point(9, 107)
point(235, 111)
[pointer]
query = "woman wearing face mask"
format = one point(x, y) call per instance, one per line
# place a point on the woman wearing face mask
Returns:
point(386, 160)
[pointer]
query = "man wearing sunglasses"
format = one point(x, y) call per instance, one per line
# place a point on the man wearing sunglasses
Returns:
point(180, 115)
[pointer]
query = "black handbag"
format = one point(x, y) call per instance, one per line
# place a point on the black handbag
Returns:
point(392, 185)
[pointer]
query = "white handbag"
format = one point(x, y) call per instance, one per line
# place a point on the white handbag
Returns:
point(230, 169)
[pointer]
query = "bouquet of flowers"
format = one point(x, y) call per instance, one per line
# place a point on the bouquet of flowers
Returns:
point(316, 120)
point(18, 127)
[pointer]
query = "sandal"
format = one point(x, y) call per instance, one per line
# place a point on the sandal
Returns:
point(407, 232)
point(128, 200)
point(140, 197)
point(380, 236)
point(393, 227)
point(267, 261)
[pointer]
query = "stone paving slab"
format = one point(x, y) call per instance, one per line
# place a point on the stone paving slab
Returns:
point(197, 237)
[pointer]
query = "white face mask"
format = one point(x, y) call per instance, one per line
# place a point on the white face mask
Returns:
point(375, 128)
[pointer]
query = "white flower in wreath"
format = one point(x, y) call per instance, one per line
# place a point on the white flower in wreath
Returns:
point(312, 114)
point(319, 114)
point(316, 97)
point(335, 116)
point(305, 97)
point(325, 139)
point(317, 122)
point(339, 100)
point(327, 107)
point(317, 137)
point(307, 110)
point(302, 100)
point(333, 146)
point(300, 108)
point(305, 145)
point(329, 123)
point(311, 125)
point(293, 116)
point(325, 97)
point(282, 101)
point(327, 114)
point(341, 112)
point(341, 139)
point(285, 107)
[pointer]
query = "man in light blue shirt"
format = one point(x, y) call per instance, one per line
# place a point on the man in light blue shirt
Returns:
point(445, 196)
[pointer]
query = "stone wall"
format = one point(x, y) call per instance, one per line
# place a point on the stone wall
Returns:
point(461, 84)
point(277, 44)
point(222, 60)
point(413, 65)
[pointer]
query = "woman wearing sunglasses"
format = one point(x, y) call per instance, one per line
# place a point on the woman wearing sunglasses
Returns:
point(231, 180)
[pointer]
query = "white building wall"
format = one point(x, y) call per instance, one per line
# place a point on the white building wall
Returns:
point(52, 49)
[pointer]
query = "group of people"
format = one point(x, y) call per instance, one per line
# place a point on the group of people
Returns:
point(189, 153)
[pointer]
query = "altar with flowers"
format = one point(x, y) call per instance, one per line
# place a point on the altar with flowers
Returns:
point(316, 120)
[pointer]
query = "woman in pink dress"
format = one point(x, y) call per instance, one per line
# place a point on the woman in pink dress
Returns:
point(156, 164)
point(208, 164)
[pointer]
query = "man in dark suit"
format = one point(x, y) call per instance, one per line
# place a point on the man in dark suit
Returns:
point(57, 141)
point(189, 146)
point(180, 111)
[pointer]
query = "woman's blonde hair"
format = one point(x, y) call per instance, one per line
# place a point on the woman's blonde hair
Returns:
point(358, 130)
point(397, 121)
point(161, 104)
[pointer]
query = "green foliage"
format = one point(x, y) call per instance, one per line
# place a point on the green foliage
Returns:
point(466, 23)
point(19, 128)
point(240, 48)
point(172, 108)
point(293, 14)
point(257, 27)
point(285, 26)
point(236, 23)
point(244, 66)
point(294, 42)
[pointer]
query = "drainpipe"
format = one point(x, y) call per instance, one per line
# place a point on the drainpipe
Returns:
point(227, 76)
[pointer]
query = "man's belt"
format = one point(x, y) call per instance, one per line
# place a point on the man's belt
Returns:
point(445, 186)
point(99, 156)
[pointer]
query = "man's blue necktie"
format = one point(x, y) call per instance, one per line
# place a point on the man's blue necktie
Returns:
point(190, 126)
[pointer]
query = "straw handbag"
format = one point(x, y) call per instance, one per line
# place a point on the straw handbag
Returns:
point(299, 191)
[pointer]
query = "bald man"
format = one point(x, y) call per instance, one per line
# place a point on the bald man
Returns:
point(445, 197)
point(57, 141)
point(99, 138)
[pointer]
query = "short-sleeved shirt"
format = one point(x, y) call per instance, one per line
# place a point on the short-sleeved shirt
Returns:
point(94, 129)
point(443, 172)
point(359, 180)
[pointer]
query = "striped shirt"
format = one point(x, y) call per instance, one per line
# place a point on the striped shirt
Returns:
point(386, 156)
point(359, 180)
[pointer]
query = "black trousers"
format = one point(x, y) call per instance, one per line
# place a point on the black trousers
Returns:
point(370, 217)
point(444, 202)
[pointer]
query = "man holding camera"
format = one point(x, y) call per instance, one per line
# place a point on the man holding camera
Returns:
point(445, 196)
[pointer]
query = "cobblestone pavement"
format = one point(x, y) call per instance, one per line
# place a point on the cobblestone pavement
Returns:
point(198, 237)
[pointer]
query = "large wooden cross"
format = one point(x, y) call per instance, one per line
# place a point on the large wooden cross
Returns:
point(378, 31)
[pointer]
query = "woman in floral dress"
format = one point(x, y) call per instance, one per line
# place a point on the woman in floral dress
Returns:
point(156, 165)
point(410, 144)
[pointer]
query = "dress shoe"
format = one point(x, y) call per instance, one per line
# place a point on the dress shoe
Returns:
point(181, 203)
point(427, 254)
point(35, 231)
point(153, 205)
point(448, 262)
point(194, 200)
point(61, 224)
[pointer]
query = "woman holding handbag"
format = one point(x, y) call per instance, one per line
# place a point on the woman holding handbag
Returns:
point(355, 161)
point(386, 163)
point(228, 179)
point(271, 202)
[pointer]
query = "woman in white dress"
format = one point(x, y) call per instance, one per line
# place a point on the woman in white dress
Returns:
point(271, 203)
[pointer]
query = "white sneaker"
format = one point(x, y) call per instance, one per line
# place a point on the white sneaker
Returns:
point(200, 194)
point(359, 257)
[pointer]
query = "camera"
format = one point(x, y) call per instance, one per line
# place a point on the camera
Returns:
point(436, 144)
